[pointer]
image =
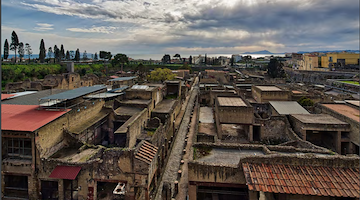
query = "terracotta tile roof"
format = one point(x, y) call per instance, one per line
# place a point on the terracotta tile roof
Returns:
point(146, 152)
point(303, 180)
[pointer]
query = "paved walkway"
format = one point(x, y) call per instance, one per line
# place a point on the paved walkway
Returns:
point(183, 184)
point(173, 164)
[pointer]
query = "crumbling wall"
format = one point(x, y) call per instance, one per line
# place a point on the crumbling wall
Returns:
point(50, 138)
point(273, 128)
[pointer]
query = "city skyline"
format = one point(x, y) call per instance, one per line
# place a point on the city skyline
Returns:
point(185, 27)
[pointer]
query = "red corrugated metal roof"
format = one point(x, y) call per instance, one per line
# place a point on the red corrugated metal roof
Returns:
point(303, 180)
point(26, 117)
point(5, 96)
point(65, 172)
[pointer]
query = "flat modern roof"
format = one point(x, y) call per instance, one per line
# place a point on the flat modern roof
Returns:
point(345, 110)
point(6, 96)
point(26, 117)
point(103, 95)
point(33, 98)
point(75, 93)
point(231, 101)
point(136, 101)
point(123, 78)
point(128, 111)
point(220, 156)
point(288, 107)
point(164, 106)
point(353, 102)
point(268, 88)
point(318, 119)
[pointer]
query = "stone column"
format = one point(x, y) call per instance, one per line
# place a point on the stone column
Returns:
point(250, 134)
point(338, 142)
point(61, 189)
point(253, 195)
point(192, 192)
point(303, 134)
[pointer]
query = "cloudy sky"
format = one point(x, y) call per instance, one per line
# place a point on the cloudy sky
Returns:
point(184, 26)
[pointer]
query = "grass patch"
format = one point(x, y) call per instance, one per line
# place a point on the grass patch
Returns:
point(200, 152)
point(171, 96)
point(150, 131)
point(351, 82)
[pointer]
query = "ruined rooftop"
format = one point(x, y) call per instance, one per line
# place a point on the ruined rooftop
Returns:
point(318, 119)
point(231, 101)
point(165, 106)
point(268, 88)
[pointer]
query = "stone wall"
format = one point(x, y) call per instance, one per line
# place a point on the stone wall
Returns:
point(354, 125)
point(49, 139)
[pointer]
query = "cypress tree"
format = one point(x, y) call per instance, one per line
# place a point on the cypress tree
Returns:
point(42, 52)
point(6, 49)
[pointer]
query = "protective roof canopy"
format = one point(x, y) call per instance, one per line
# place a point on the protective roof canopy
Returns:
point(26, 117)
point(65, 172)
point(123, 78)
point(288, 107)
point(75, 93)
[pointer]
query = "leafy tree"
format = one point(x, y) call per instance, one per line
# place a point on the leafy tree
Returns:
point(28, 50)
point(21, 50)
point(95, 56)
point(50, 52)
point(67, 57)
point(141, 69)
point(85, 55)
point(304, 101)
point(177, 56)
point(190, 60)
point(14, 43)
point(62, 52)
point(275, 69)
point(6, 49)
point(247, 59)
point(105, 55)
point(161, 75)
point(205, 59)
point(56, 53)
point(166, 59)
point(77, 55)
point(232, 60)
point(120, 59)
point(42, 52)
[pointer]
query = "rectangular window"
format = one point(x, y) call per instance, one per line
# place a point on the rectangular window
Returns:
point(19, 148)
point(71, 189)
point(330, 59)
point(16, 187)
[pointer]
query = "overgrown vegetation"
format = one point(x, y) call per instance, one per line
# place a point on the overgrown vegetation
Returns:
point(304, 101)
point(200, 152)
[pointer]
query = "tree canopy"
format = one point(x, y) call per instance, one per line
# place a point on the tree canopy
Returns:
point(275, 69)
point(105, 55)
point(6, 49)
point(161, 75)
point(77, 55)
point(42, 52)
point(28, 50)
point(21, 50)
point(62, 52)
point(14, 43)
point(67, 56)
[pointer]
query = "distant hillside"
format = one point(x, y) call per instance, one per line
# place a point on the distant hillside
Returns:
point(353, 51)
point(259, 52)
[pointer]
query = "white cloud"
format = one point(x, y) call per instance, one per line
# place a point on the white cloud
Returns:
point(94, 29)
point(43, 27)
